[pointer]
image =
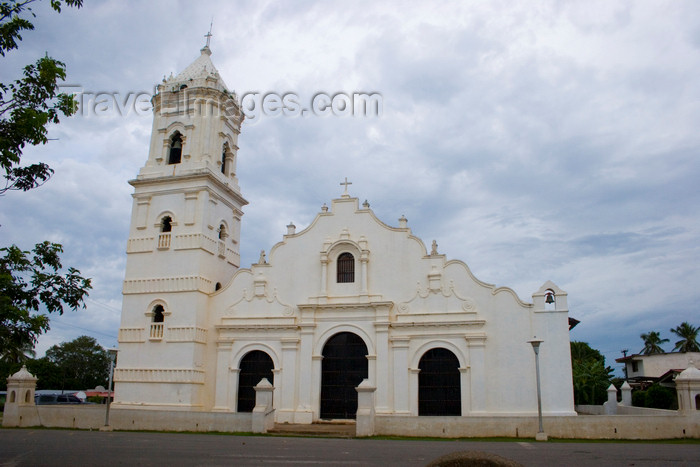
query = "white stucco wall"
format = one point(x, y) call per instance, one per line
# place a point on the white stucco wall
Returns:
point(411, 302)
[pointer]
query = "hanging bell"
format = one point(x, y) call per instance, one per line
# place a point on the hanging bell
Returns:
point(549, 298)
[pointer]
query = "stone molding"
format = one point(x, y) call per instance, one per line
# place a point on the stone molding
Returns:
point(134, 335)
point(439, 324)
point(140, 245)
point(171, 334)
point(149, 375)
point(168, 284)
point(181, 242)
point(186, 334)
point(257, 327)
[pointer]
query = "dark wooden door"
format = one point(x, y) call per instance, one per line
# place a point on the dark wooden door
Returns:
point(343, 368)
point(439, 390)
point(255, 366)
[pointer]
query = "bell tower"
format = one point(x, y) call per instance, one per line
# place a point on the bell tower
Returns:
point(183, 240)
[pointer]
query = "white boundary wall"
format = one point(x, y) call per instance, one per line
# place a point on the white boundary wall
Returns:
point(93, 417)
point(581, 426)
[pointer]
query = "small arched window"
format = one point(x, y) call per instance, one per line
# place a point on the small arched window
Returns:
point(223, 158)
point(175, 155)
point(222, 232)
point(158, 314)
point(346, 268)
point(217, 286)
point(166, 225)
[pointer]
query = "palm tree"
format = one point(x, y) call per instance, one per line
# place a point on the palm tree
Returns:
point(17, 350)
point(689, 337)
point(652, 343)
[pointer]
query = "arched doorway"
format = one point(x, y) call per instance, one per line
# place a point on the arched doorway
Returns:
point(439, 391)
point(255, 365)
point(343, 368)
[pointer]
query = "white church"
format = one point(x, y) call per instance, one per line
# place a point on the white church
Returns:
point(349, 298)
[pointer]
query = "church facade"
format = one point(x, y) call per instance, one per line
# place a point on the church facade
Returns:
point(349, 298)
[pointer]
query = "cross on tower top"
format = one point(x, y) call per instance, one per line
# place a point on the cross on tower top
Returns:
point(208, 35)
point(346, 183)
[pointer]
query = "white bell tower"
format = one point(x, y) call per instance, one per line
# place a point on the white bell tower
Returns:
point(183, 241)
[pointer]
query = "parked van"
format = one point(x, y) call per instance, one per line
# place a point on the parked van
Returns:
point(56, 399)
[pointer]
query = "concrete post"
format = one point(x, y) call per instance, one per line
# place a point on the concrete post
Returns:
point(626, 394)
point(611, 404)
point(263, 413)
point(365, 409)
point(20, 393)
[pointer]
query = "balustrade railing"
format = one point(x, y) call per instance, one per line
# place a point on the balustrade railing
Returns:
point(156, 331)
point(164, 241)
point(222, 249)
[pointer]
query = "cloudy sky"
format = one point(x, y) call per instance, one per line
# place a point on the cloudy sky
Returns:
point(543, 140)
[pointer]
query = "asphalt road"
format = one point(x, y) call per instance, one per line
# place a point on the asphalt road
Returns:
point(29, 447)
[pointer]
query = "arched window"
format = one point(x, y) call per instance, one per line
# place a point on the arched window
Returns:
point(222, 232)
point(175, 155)
point(158, 314)
point(217, 286)
point(223, 158)
point(157, 323)
point(166, 225)
point(346, 268)
point(27, 396)
point(697, 402)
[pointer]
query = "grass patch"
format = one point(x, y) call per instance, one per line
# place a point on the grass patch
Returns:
point(532, 440)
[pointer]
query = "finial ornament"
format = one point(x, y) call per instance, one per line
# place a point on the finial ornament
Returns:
point(262, 259)
point(434, 251)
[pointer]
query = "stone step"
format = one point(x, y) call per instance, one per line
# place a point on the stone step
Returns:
point(321, 430)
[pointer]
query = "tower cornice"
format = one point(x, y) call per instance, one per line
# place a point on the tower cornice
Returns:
point(178, 181)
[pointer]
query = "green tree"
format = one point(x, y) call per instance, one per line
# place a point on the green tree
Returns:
point(19, 352)
point(81, 363)
point(30, 283)
point(47, 373)
point(591, 376)
point(652, 343)
point(689, 337)
point(656, 397)
point(28, 105)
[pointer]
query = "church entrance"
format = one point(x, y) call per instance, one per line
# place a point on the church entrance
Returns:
point(254, 366)
point(343, 368)
point(439, 389)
